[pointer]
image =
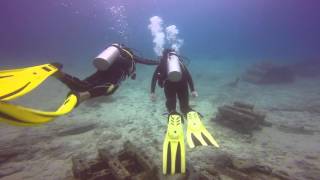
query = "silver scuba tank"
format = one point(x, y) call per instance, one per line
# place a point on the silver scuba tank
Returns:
point(106, 58)
point(174, 68)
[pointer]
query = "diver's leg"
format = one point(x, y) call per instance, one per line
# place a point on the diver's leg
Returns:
point(72, 82)
point(103, 90)
point(183, 96)
point(170, 93)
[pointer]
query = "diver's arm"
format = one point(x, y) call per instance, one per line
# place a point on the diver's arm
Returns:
point(153, 84)
point(145, 61)
point(189, 79)
point(154, 80)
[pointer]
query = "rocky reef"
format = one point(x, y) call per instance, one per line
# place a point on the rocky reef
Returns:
point(130, 163)
point(225, 166)
point(268, 73)
point(272, 73)
point(241, 117)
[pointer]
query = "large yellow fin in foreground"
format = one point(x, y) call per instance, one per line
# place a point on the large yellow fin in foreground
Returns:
point(174, 152)
point(197, 134)
point(18, 82)
point(23, 116)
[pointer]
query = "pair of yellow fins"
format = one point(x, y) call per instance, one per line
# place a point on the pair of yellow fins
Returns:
point(18, 82)
point(174, 153)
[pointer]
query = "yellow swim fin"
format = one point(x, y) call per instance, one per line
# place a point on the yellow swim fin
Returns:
point(18, 82)
point(22, 116)
point(174, 152)
point(197, 134)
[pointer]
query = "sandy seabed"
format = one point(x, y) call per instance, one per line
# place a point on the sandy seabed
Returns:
point(45, 152)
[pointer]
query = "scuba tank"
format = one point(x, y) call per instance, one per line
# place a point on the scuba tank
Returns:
point(107, 57)
point(173, 67)
point(114, 53)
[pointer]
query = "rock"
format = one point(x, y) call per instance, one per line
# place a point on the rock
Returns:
point(6, 154)
point(224, 166)
point(17, 153)
point(241, 117)
point(222, 160)
point(312, 174)
point(192, 172)
point(311, 157)
point(77, 129)
point(261, 169)
point(266, 123)
point(243, 105)
point(7, 171)
point(204, 175)
point(130, 163)
point(281, 175)
point(296, 129)
point(235, 174)
point(84, 168)
point(306, 68)
point(243, 164)
point(268, 73)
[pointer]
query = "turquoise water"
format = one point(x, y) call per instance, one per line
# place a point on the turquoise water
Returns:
point(66, 30)
point(224, 40)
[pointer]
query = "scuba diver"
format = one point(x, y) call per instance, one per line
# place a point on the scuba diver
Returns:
point(172, 75)
point(114, 65)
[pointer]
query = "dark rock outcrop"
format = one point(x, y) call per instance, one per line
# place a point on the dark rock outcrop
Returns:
point(268, 73)
point(241, 117)
point(295, 129)
point(130, 163)
point(306, 68)
point(225, 166)
point(10, 170)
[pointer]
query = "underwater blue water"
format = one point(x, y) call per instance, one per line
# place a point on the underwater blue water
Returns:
point(222, 38)
point(77, 30)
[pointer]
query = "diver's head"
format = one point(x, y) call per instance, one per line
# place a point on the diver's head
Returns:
point(122, 47)
point(166, 52)
point(119, 45)
point(126, 53)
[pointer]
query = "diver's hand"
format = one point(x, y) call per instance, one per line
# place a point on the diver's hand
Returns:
point(153, 97)
point(194, 94)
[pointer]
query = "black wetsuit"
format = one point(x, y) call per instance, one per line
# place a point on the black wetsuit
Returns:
point(173, 90)
point(122, 68)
